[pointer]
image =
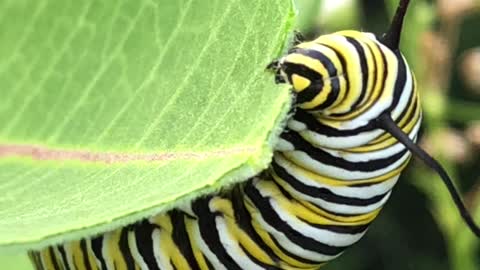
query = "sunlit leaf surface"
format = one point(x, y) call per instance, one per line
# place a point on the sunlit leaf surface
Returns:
point(114, 110)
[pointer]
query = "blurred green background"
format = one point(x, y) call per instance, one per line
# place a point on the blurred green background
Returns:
point(419, 228)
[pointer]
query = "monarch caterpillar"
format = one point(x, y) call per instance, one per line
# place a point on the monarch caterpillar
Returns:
point(352, 131)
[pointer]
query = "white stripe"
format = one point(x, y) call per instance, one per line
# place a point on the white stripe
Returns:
point(42, 261)
point(283, 145)
point(132, 244)
point(319, 235)
point(407, 92)
point(342, 142)
point(363, 192)
point(90, 251)
point(339, 173)
point(377, 154)
point(163, 261)
point(69, 255)
point(197, 237)
point(335, 207)
point(59, 257)
point(232, 247)
point(288, 245)
point(108, 260)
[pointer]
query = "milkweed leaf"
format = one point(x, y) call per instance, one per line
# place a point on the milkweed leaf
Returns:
point(111, 111)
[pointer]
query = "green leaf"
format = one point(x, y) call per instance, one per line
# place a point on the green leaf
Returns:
point(115, 110)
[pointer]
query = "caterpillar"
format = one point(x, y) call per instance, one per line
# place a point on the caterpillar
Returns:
point(355, 118)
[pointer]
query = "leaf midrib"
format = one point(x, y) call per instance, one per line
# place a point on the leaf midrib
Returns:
point(43, 153)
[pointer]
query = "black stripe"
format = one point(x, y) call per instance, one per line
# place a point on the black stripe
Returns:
point(334, 213)
point(363, 66)
point(209, 264)
point(332, 76)
point(411, 103)
point(291, 255)
point(322, 193)
point(284, 192)
point(309, 93)
point(324, 157)
point(403, 115)
point(125, 249)
point(343, 229)
point(210, 234)
point(97, 244)
point(61, 249)
point(345, 74)
point(272, 218)
point(322, 58)
point(302, 70)
point(144, 241)
point(258, 262)
point(173, 265)
point(181, 239)
point(53, 258)
point(400, 81)
point(35, 257)
point(83, 249)
point(314, 125)
point(382, 79)
point(314, 77)
point(244, 220)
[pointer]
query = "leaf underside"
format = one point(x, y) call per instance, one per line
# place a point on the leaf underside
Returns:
point(115, 110)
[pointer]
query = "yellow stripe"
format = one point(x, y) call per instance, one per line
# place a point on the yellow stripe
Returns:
point(167, 245)
point(73, 249)
point(374, 88)
point(357, 219)
point(300, 83)
point(112, 254)
point(351, 220)
point(268, 240)
point(320, 98)
point(387, 140)
point(36, 259)
point(58, 257)
point(240, 236)
point(337, 182)
point(293, 208)
point(314, 214)
point(407, 123)
point(189, 226)
point(369, 89)
point(316, 66)
point(335, 60)
point(352, 64)
point(91, 256)
point(311, 63)
point(406, 117)
point(47, 259)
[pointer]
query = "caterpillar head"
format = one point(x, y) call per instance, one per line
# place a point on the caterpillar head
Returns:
point(316, 69)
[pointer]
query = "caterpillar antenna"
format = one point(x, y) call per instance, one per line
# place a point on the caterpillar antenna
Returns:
point(391, 38)
point(386, 123)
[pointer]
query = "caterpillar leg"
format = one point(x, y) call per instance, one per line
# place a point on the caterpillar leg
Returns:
point(298, 37)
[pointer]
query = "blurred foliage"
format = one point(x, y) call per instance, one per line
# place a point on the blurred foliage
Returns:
point(420, 228)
